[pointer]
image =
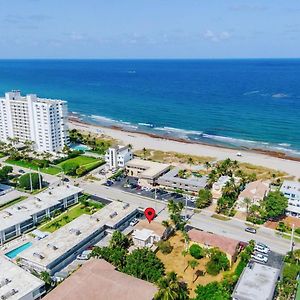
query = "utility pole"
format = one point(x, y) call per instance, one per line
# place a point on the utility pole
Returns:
point(30, 179)
point(40, 179)
point(292, 238)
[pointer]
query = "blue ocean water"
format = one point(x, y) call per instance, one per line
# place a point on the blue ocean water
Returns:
point(243, 103)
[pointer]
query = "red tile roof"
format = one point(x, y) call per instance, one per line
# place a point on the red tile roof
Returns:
point(98, 280)
point(225, 244)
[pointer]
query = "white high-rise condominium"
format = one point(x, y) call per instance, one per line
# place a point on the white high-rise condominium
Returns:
point(29, 118)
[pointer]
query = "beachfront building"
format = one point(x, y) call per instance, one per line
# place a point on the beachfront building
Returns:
point(23, 216)
point(16, 283)
point(255, 191)
point(171, 180)
point(98, 279)
point(118, 156)
point(30, 118)
point(146, 171)
point(291, 190)
point(257, 282)
point(59, 249)
point(211, 240)
point(218, 186)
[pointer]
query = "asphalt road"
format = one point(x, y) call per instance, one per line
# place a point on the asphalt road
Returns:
point(233, 228)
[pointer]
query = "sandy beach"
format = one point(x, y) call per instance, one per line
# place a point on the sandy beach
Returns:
point(140, 141)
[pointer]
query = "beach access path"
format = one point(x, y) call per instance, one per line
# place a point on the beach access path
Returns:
point(140, 141)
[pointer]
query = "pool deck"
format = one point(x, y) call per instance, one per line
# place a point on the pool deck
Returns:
point(7, 247)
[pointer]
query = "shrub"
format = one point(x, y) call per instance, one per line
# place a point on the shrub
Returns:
point(218, 262)
point(24, 181)
point(196, 251)
point(165, 247)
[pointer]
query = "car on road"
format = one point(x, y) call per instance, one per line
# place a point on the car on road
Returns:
point(261, 249)
point(21, 171)
point(259, 257)
point(134, 222)
point(250, 230)
point(109, 183)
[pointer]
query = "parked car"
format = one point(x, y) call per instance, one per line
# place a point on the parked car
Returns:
point(251, 230)
point(84, 255)
point(109, 183)
point(259, 257)
point(21, 171)
point(261, 249)
point(134, 222)
point(262, 245)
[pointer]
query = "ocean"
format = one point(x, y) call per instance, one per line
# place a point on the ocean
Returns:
point(236, 103)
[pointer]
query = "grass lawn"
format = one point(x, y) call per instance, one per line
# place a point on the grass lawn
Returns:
point(12, 202)
point(80, 160)
point(176, 262)
point(221, 217)
point(70, 215)
point(25, 164)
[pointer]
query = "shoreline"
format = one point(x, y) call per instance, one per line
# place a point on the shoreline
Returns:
point(139, 140)
point(276, 154)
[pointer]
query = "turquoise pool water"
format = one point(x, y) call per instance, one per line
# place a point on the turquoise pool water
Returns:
point(80, 147)
point(13, 253)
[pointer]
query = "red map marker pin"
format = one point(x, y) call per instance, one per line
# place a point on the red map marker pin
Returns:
point(149, 214)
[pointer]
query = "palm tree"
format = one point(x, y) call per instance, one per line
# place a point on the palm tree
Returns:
point(186, 239)
point(247, 201)
point(170, 288)
point(165, 223)
point(45, 276)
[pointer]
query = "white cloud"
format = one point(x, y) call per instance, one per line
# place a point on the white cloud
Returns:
point(216, 36)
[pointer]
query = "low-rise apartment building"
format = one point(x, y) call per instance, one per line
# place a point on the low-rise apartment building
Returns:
point(18, 284)
point(56, 251)
point(146, 171)
point(255, 191)
point(118, 156)
point(257, 282)
point(23, 216)
point(173, 181)
point(291, 190)
point(30, 118)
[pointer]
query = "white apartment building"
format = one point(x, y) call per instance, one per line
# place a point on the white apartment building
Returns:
point(291, 190)
point(18, 284)
point(29, 118)
point(118, 156)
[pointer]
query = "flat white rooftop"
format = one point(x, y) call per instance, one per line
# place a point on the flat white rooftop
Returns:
point(256, 282)
point(13, 277)
point(142, 234)
point(151, 169)
point(46, 251)
point(23, 210)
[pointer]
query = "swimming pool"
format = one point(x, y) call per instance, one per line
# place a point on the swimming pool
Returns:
point(80, 147)
point(13, 253)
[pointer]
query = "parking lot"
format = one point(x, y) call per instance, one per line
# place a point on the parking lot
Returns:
point(130, 185)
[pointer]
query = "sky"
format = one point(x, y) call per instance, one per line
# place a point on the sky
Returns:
point(149, 29)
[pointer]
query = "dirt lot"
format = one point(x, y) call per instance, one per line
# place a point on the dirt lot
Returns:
point(176, 262)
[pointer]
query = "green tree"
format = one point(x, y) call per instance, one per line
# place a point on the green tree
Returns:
point(196, 251)
point(170, 288)
point(275, 204)
point(212, 291)
point(119, 239)
point(70, 168)
point(204, 198)
point(45, 276)
point(218, 262)
point(143, 263)
point(165, 247)
point(24, 181)
point(4, 172)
